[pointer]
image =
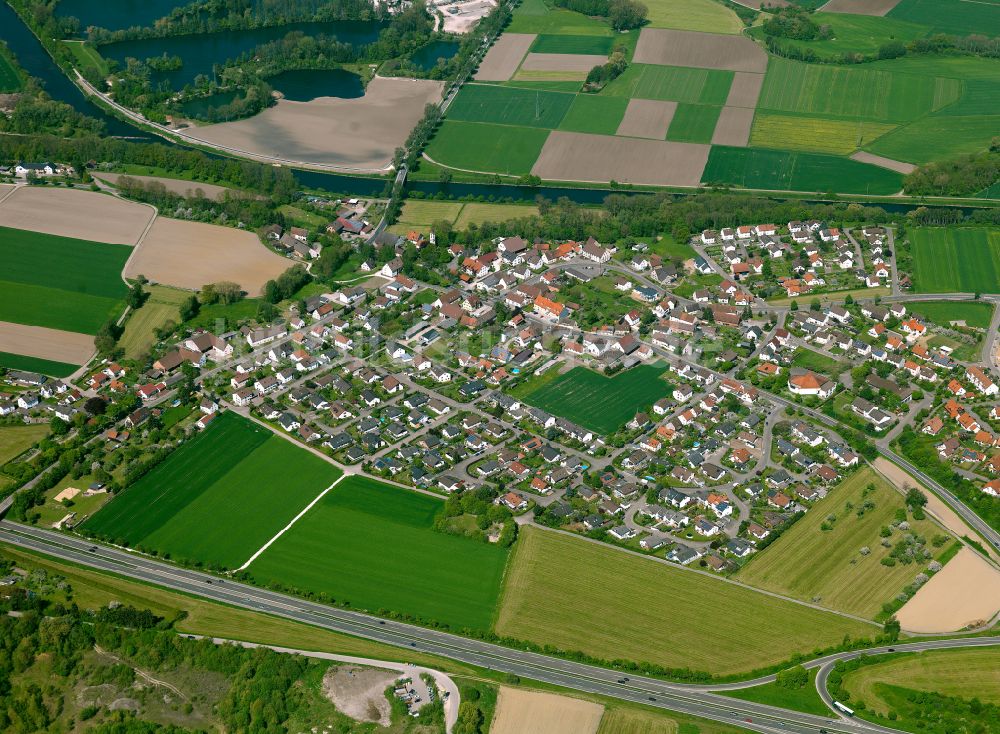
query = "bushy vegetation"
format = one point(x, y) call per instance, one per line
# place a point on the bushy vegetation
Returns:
point(959, 177)
point(794, 22)
point(621, 14)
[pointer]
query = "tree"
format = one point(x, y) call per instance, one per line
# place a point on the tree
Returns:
point(814, 305)
point(58, 426)
point(892, 627)
point(915, 498)
point(136, 296)
point(189, 308)
point(793, 306)
point(95, 406)
point(795, 677)
point(626, 14)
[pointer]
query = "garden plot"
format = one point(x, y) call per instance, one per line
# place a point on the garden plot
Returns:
point(733, 127)
point(191, 254)
point(966, 592)
point(701, 50)
point(860, 7)
point(745, 89)
point(51, 344)
point(647, 118)
point(85, 215)
point(562, 62)
point(502, 60)
point(599, 158)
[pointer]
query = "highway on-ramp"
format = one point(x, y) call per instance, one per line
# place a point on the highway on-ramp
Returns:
point(689, 699)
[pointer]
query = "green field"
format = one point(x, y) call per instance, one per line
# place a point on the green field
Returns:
point(692, 15)
point(672, 83)
point(962, 259)
point(557, 592)
point(15, 439)
point(36, 364)
point(563, 44)
point(809, 360)
point(219, 497)
point(591, 113)
point(804, 699)
point(973, 313)
point(161, 307)
point(826, 567)
point(693, 123)
point(534, 16)
point(373, 545)
point(791, 171)
point(10, 79)
point(937, 137)
point(60, 282)
point(602, 404)
point(798, 132)
point(952, 16)
point(490, 148)
point(510, 106)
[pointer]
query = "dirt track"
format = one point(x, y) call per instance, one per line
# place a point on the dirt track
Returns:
point(860, 7)
point(85, 215)
point(966, 592)
point(191, 254)
point(53, 344)
point(745, 89)
point(647, 118)
point(733, 127)
point(502, 60)
point(889, 163)
point(359, 692)
point(602, 158)
point(562, 62)
point(702, 50)
point(357, 134)
point(528, 712)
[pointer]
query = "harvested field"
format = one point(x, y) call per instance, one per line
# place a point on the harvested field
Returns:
point(327, 131)
point(85, 215)
point(5, 190)
point(745, 89)
point(647, 118)
point(702, 50)
point(174, 185)
point(562, 62)
point(733, 127)
point(965, 593)
point(860, 7)
point(502, 60)
point(50, 344)
point(360, 692)
point(191, 254)
point(599, 158)
point(528, 712)
point(877, 160)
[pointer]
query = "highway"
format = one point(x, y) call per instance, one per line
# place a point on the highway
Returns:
point(689, 699)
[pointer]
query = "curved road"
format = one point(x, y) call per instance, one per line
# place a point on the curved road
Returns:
point(690, 699)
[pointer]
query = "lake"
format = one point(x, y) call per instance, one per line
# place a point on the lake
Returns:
point(201, 52)
point(304, 85)
point(116, 14)
point(426, 57)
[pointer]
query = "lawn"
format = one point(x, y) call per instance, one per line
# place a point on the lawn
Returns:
point(218, 498)
point(962, 259)
point(755, 168)
point(670, 248)
point(36, 364)
point(963, 673)
point(973, 313)
point(826, 567)
point(159, 308)
point(488, 148)
point(591, 113)
point(795, 132)
point(602, 404)
point(15, 439)
point(374, 546)
point(564, 44)
point(60, 282)
point(510, 106)
point(692, 15)
point(952, 16)
point(576, 595)
point(825, 365)
point(672, 83)
point(693, 123)
point(804, 699)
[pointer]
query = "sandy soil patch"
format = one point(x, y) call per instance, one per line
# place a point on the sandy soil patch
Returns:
point(502, 60)
point(889, 163)
point(562, 62)
point(67, 494)
point(351, 134)
point(860, 7)
point(191, 254)
point(360, 692)
point(186, 189)
point(733, 127)
point(703, 50)
point(935, 505)
point(53, 344)
point(965, 593)
point(647, 118)
point(466, 14)
point(602, 158)
point(85, 215)
point(527, 712)
point(745, 89)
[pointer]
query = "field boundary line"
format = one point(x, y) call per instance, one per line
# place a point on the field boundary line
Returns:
point(294, 520)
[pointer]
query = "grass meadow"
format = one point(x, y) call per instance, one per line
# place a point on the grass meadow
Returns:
point(557, 592)
point(960, 259)
point(937, 137)
point(10, 79)
point(420, 214)
point(534, 16)
point(15, 439)
point(951, 16)
point(219, 497)
point(973, 313)
point(161, 306)
point(861, 34)
point(693, 123)
point(373, 546)
point(600, 403)
point(37, 364)
point(478, 146)
point(796, 132)
point(825, 566)
point(804, 699)
point(693, 15)
point(809, 360)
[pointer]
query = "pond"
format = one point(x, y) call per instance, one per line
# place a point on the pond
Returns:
point(200, 106)
point(426, 57)
point(304, 85)
point(116, 14)
point(201, 52)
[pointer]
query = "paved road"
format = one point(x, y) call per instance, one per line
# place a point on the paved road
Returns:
point(695, 700)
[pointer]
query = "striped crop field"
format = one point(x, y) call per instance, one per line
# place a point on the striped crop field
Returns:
point(956, 259)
